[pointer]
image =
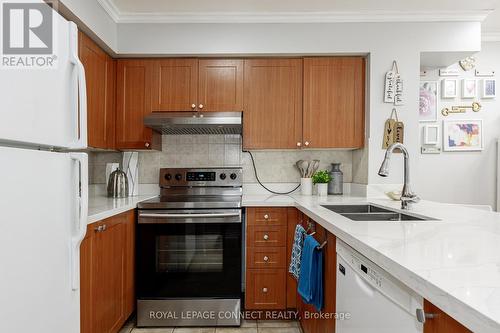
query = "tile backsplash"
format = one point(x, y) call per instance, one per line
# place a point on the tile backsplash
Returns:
point(273, 166)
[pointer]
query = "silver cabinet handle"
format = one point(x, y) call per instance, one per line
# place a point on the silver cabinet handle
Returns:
point(147, 144)
point(299, 144)
point(193, 106)
point(264, 290)
point(266, 258)
point(266, 237)
point(422, 316)
point(200, 106)
point(99, 228)
point(266, 217)
point(306, 143)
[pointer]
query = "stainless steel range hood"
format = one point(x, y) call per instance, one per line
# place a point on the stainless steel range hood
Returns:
point(195, 122)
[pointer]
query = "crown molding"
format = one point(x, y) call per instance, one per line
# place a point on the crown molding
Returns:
point(110, 8)
point(490, 37)
point(292, 17)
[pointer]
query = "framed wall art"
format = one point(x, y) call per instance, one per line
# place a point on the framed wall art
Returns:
point(469, 88)
point(462, 135)
point(428, 105)
point(449, 88)
point(489, 88)
point(431, 134)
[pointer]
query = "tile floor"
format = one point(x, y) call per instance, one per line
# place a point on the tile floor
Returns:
point(248, 326)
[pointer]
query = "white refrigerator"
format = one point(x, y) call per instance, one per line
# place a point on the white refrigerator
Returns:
point(43, 190)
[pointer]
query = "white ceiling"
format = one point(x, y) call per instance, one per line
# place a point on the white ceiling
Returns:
point(194, 11)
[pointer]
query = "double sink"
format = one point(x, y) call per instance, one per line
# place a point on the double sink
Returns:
point(368, 212)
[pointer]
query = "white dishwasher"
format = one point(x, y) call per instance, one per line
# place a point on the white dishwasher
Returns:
point(370, 299)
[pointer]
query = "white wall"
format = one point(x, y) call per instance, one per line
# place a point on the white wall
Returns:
point(384, 42)
point(466, 177)
point(96, 18)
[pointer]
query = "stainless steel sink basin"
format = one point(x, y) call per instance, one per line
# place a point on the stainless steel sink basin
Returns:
point(367, 212)
point(382, 217)
point(363, 208)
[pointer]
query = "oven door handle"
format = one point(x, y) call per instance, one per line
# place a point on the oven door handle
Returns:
point(177, 215)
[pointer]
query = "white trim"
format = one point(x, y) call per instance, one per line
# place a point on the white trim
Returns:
point(110, 8)
point(292, 17)
point(490, 37)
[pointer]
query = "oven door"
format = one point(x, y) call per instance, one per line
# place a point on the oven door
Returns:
point(189, 254)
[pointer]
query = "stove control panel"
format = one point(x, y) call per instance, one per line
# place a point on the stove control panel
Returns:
point(206, 177)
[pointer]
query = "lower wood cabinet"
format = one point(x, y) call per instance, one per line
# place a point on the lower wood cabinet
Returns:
point(311, 320)
point(107, 274)
point(266, 259)
point(441, 323)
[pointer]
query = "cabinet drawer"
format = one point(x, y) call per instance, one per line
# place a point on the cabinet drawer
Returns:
point(266, 257)
point(261, 235)
point(266, 216)
point(265, 289)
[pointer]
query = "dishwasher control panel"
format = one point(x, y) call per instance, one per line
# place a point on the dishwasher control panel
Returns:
point(368, 271)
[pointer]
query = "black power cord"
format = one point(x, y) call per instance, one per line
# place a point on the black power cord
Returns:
point(258, 180)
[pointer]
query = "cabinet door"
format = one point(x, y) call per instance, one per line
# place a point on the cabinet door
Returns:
point(272, 103)
point(334, 102)
point(107, 274)
point(323, 323)
point(133, 103)
point(175, 85)
point(100, 74)
point(220, 85)
point(442, 323)
point(265, 289)
point(109, 263)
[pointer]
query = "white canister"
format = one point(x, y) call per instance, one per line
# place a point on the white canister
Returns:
point(322, 189)
point(306, 186)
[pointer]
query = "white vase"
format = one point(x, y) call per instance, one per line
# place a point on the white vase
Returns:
point(322, 189)
point(306, 186)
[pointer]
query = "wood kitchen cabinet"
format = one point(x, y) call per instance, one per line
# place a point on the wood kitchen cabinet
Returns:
point(133, 102)
point(197, 85)
point(441, 323)
point(175, 85)
point(334, 102)
point(107, 274)
point(100, 74)
point(220, 85)
point(272, 103)
point(321, 322)
point(323, 109)
point(266, 259)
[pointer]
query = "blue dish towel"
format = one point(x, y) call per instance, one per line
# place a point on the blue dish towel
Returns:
point(310, 286)
point(298, 242)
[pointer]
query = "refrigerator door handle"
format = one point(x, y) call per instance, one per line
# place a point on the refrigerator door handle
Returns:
point(81, 102)
point(82, 198)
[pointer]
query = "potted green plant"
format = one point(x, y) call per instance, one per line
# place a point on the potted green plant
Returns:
point(321, 179)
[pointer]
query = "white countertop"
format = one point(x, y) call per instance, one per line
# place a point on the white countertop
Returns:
point(102, 207)
point(454, 263)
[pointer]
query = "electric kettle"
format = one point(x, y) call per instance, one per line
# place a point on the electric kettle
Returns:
point(118, 184)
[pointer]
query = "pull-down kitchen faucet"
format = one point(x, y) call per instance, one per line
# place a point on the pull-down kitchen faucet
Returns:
point(407, 195)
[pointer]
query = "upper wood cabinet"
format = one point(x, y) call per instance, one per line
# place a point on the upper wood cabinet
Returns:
point(100, 72)
point(175, 85)
point(334, 102)
point(107, 274)
point(197, 85)
point(220, 85)
point(272, 103)
point(133, 102)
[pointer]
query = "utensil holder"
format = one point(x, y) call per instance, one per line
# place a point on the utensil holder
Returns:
point(306, 186)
